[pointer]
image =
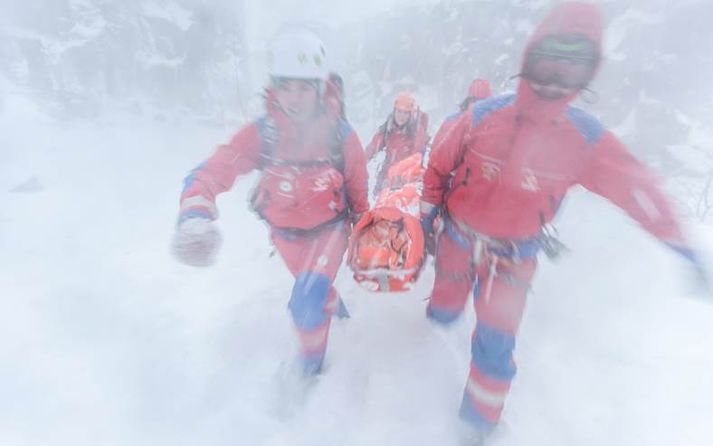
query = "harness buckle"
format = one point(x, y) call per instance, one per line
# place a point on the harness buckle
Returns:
point(516, 258)
point(551, 244)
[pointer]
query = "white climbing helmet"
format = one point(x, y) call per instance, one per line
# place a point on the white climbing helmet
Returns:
point(297, 53)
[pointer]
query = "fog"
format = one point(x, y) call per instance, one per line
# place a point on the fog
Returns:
point(105, 339)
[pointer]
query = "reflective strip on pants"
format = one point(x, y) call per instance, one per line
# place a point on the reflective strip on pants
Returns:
point(314, 341)
point(485, 396)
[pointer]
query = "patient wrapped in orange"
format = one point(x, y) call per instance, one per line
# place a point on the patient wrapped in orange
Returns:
point(386, 248)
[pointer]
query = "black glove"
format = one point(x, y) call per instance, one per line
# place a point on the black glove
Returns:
point(428, 217)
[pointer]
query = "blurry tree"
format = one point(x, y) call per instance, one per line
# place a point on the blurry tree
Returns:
point(79, 56)
point(82, 56)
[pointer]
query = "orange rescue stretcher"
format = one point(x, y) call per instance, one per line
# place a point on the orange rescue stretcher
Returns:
point(386, 248)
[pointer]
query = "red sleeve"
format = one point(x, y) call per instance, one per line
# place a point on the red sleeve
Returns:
point(355, 174)
point(446, 155)
point(617, 176)
point(217, 174)
point(444, 129)
point(375, 144)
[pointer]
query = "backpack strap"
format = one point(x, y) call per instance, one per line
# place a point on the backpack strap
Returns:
point(269, 135)
point(340, 132)
point(384, 129)
point(413, 123)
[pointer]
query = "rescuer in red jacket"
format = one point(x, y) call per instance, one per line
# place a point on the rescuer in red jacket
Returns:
point(313, 184)
point(403, 134)
point(499, 176)
point(478, 90)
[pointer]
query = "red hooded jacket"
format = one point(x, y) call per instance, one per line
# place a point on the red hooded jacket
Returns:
point(503, 168)
point(294, 146)
point(400, 143)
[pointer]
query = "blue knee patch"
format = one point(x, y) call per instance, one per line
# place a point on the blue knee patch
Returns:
point(492, 353)
point(442, 315)
point(309, 297)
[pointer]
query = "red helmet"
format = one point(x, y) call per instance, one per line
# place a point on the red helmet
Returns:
point(479, 89)
point(405, 101)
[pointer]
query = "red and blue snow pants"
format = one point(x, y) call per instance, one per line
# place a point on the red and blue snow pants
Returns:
point(314, 260)
point(498, 313)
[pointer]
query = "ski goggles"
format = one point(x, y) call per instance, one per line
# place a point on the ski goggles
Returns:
point(568, 61)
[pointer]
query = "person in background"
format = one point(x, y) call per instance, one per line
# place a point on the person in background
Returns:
point(403, 134)
point(478, 90)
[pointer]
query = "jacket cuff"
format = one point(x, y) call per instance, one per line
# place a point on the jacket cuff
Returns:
point(197, 206)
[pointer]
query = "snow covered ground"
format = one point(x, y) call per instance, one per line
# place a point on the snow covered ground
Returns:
point(106, 340)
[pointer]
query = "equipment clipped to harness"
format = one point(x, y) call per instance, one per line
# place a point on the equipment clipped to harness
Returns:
point(550, 242)
point(496, 255)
